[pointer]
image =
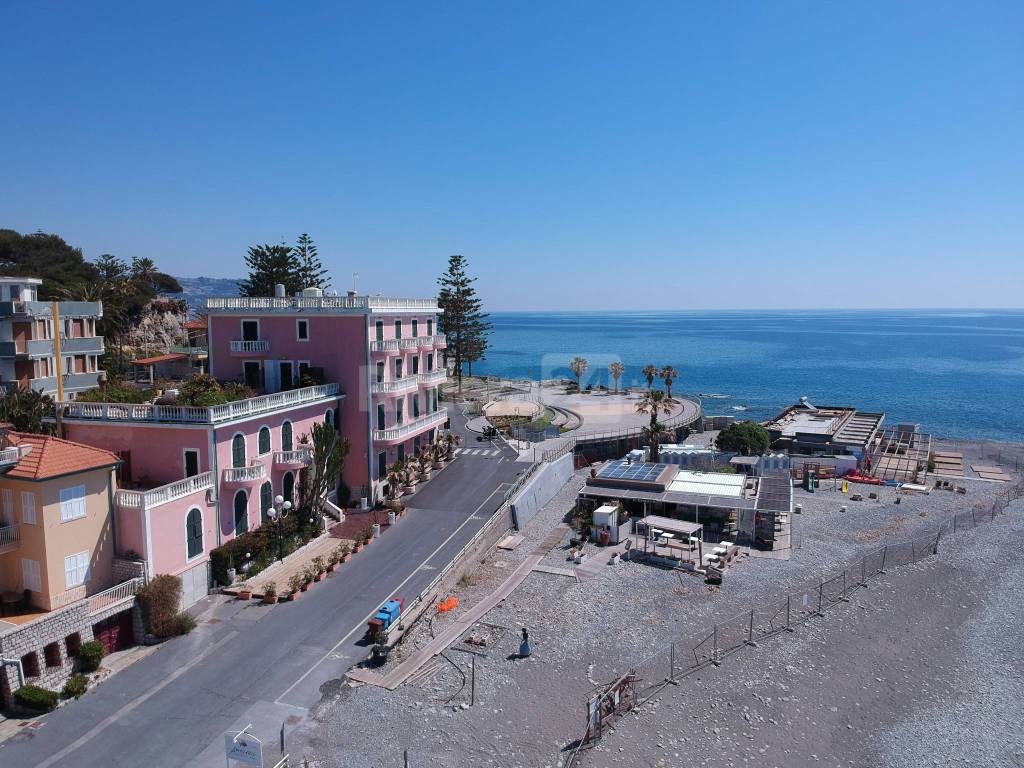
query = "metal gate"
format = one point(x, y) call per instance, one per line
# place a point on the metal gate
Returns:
point(195, 584)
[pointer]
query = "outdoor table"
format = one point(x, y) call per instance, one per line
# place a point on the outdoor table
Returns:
point(8, 598)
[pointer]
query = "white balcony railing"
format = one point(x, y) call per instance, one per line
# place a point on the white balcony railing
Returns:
point(109, 598)
point(433, 377)
point(10, 537)
point(250, 347)
point(301, 456)
point(394, 345)
point(437, 340)
point(10, 455)
point(397, 385)
point(320, 303)
point(251, 474)
point(165, 493)
point(186, 414)
point(68, 597)
point(411, 427)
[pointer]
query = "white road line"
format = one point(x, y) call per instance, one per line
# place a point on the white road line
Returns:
point(371, 614)
point(111, 719)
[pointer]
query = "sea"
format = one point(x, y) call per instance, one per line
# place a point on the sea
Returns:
point(956, 373)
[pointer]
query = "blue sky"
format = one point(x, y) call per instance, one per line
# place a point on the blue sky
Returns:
point(582, 155)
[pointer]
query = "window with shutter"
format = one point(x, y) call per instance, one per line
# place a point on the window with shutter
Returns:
point(28, 507)
point(72, 503)
point(264, 440)
point(286, 436)
point(76, 569)
point(194, 532)
point(8, 501)
point(31, 578)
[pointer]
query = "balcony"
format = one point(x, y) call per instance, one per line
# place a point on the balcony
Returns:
point(183, 349)
point(165, 493)
point(402, 431)
point(441, 341)
point(92, 345)
point(433, 377)
point(292, 459)
point(396, 386)
point(257, 347)
point(10, 537)
point(393, 345)
point(254, 473)
point(110, 598)
point(331, 304)
point(437, 340)
point(9, 456)
point(45, 308)
point(186, 414)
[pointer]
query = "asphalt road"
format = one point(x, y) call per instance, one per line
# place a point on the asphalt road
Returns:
point(248, 663)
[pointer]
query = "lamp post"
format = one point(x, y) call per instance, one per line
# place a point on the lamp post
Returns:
point(278, 512)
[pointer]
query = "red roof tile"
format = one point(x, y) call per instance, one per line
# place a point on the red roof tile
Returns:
point(195, 325)
point(53, 457)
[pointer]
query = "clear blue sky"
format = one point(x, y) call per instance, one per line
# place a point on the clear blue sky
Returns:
point(580, 154)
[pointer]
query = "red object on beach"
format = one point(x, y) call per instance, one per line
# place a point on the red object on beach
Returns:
point(854, 476)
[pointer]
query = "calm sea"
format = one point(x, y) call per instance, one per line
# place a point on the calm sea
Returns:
point(958, 373)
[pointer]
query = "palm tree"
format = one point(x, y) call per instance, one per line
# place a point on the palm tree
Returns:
point(669, 374)
point(616, 370)
point(144, 270)
point(650, 373)
point(653, 403)
point(578, 365)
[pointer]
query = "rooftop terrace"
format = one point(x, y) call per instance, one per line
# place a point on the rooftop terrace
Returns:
point(326, 304)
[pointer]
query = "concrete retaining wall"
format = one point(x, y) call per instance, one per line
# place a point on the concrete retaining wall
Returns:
point(540, 489)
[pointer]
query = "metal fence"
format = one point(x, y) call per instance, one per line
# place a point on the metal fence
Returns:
point(774, 616)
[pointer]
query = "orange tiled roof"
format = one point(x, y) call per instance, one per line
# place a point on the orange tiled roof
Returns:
point(195, 325)
point(52, 457)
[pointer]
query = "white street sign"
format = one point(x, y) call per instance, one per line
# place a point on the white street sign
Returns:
point(244, 748)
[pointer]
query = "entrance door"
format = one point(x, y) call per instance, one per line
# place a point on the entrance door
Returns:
point(286, 375)
point(191, 462)
point(253, 375)
point(250, 330)
point(115, 633)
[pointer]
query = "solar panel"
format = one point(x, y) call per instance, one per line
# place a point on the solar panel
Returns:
point(621, 470)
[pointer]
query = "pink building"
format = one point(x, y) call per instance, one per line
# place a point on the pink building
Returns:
point(385, 353)
point(192, 478)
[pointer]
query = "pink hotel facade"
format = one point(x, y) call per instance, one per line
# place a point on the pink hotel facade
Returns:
point(192, 478)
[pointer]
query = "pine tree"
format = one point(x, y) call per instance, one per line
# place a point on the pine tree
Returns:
point(268, 266)
point(311, 272)
point(462, 322)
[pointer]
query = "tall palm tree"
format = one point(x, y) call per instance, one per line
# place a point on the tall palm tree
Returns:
point(650, 373)
point(616, 370)
point(654, 434)
point(653, 403)
point(578, 365)
point(668, 375)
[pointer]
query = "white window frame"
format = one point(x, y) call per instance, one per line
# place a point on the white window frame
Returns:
point(8, 506)
point(241, 327)
point(72, 503)
point(298, 324)
point(77, 569)
point(31, 575)
point(202, 528)
point(28, 508)
point(184, 461)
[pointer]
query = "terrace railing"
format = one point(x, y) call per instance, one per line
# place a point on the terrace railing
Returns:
point(433, 377)
point(397, 385)
point(249, 474)
point(121, 593)
point(301, 456)
point(10, 537)
point(400, 431)
point(10, 455)
point(256, 346)
point(318, 303)
point(165, 493)
point(188, 414)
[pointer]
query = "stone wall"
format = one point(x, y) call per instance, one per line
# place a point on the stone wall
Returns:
point(126, 570)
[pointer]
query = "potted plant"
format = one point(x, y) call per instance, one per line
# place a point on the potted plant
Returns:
point(244, 591)
point(367, 534)
point(409, 477)
point(424, 460)
point(438, 453)
point(296, 585)
point(357, 545)
point(346, 552)
point(319, 568)
point(333, 559)
point(270, 593)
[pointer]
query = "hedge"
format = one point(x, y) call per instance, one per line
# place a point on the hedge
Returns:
point(36, 699)
point(90, 655)
point(261, 545)
point(161, 607)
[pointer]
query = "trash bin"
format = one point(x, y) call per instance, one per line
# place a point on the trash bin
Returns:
point(604, 537)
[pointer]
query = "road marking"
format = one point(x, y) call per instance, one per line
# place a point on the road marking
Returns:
point(110, 720)
point(371, 614)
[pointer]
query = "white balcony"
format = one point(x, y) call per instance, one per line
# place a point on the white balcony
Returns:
point(186, 414)
point(10, 537)
point(257, 347)
point(405, 384)
point(437, 340)
point(109, 598)
point(394, 345)
point(299, 458)
point(10, 456)
point(441, 341)
point(254, 473)
point(332, 304)
point(165, 493)
point(433, 377)
point(411, 427)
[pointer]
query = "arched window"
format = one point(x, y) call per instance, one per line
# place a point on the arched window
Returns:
point(288, 487)
point(266, 500)
point(194, 532)
point(241, 512)
point(337, 420)
point(286, 436)
point(264, 440)
point(329, 418)
point(238, 451)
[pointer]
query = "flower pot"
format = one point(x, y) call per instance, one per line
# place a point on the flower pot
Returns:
point(321, 576)
point(438, 464)
point(346, 558)
point(270, 599)
point(294, 595)
point(307, 585)
point(357, 547)
point(244, 594)
point(333, 567)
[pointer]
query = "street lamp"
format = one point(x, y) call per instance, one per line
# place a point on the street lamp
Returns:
point(277, 513)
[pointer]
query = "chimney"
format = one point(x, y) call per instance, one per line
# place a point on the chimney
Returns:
point(279, 291)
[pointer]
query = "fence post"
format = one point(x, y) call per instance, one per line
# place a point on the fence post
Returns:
point(938, 536)
point(842, 595)
point(672, 663)
point(788, 627)
point(954, 522)
point(864, 571)
point(821, 590)
point(750, 631)
point(714, 651)
point(913, 552)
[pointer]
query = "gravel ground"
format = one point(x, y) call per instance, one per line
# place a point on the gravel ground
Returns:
point(526, 711)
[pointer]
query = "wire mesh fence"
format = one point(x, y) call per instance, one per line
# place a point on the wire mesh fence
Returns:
point(776, 615)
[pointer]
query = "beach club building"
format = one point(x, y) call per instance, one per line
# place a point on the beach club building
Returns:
point(384, 353)
point(192, 478)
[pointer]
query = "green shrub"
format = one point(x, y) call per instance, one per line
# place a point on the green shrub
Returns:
point(186, 622)
point(161, 602)
point(261, 544)
point(36, 699)
point(75, 687)
point(115, 392)
point(90, 655)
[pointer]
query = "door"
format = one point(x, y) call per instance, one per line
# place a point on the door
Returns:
point(238, 451)
point(241, 512)
point(253, 379)
point(115, 633)
point(124, 472)
point(288, 487)
point(194, 584)
point(191, 462)
point(250, 330)
point(286, 375)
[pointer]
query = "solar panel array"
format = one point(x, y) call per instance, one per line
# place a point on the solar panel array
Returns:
point(621, 470)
